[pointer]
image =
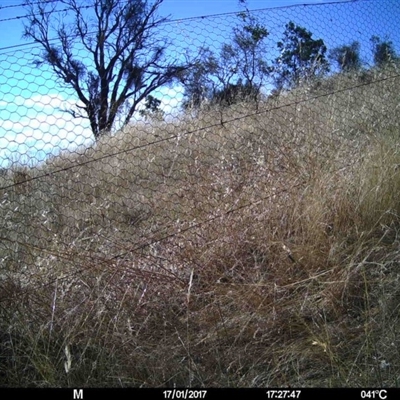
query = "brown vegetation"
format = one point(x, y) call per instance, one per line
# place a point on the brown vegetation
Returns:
point(259, 252)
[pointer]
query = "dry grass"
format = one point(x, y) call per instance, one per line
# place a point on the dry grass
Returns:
point(262, 251)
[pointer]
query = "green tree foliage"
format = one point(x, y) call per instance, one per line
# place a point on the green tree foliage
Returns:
point(347, 57)
point(301, 57)
point(197, 80)
point(152, 108)
point(383, 51)
point(239, 70)
point(245, 57)
point(233, 92)
point(110, 54)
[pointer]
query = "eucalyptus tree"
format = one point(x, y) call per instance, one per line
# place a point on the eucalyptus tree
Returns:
point(301, 57)
point(383, 51)
point(238, 71)
point(347, 57)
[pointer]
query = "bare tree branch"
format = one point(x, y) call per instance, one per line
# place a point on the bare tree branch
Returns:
point(109, 54)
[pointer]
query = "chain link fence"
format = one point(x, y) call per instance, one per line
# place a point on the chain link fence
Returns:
point(164, 250)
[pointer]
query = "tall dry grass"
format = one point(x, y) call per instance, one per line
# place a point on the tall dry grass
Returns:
point(246, 246)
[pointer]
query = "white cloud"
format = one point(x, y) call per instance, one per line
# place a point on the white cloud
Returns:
point(37, 124)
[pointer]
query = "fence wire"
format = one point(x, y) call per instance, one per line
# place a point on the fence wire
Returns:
point(64, 185)
point(180, 189)
point(140, 188)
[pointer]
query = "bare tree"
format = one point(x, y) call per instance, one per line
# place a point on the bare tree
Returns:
point(110, 53)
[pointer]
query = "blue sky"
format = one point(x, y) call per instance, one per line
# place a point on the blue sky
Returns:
point(31, 125)
point(10, 9)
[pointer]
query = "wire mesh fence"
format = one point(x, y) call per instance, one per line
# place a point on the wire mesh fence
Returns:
point(136, 234)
